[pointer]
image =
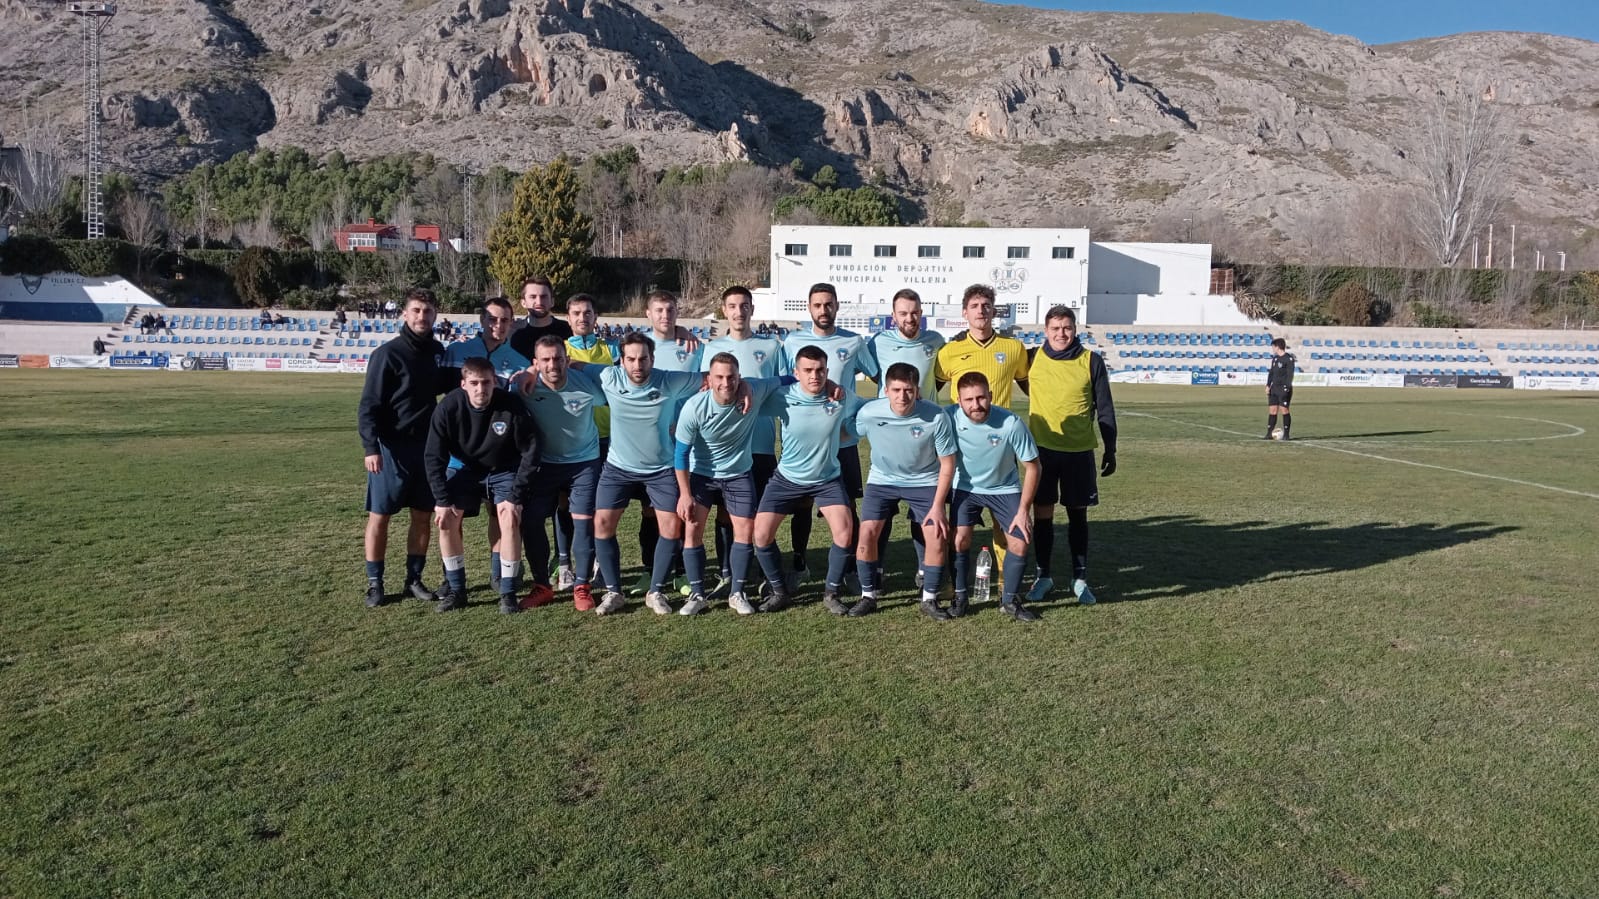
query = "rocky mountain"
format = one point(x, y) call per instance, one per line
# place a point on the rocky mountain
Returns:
point(1021, 116)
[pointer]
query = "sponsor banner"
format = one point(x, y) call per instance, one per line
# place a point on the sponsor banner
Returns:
point(1429, 380)
point(1125, 377)
point(151, 360)
point(1242, 378)
point(33, 360)
point(1172, 377)
point(1388, 380)
point(1346, 379)
point(1555, 382)
point(10, 360)
point(80, 362)
point(358, 366)
point(1310, 379)
point(1206, 378)
point(1498, 381)
point(203, 363)
point(237, 364)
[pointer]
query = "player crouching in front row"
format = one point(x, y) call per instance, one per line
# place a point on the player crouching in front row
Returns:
point(991, 441)
point(489, 432)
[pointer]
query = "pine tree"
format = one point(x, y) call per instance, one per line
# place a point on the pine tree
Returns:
point(544, 232)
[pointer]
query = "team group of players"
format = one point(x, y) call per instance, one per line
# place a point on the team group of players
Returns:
point(552, 424)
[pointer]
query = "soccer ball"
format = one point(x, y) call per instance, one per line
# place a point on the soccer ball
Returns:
point(1277, 434)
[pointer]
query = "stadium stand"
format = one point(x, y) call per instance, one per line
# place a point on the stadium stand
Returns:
point(234, 332)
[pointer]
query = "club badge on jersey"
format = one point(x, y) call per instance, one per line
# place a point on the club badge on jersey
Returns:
point(916, 432)
point(499, 428)
point(999, 358)
point(843, 354)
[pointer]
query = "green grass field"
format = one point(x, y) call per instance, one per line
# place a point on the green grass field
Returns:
point(1361, 663)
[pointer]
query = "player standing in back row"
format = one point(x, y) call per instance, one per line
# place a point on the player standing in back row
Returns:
point(1279, 388)
point(1070, 392)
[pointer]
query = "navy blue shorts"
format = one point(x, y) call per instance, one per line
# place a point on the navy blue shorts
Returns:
point(403, 482)
point(468, 490)
point(969, 508)
point(618, 487)
point(578, 480)
point(736, 494)
point(849, 469)
point(882, 501)
point(786, 497)
point(1068, 479)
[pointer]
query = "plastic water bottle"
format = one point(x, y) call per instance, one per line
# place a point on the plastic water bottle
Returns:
point(985, 568)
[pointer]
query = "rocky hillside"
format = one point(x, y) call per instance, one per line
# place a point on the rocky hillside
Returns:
point(1019, 115)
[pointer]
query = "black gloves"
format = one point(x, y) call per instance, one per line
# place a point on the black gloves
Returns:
point(1107, 466)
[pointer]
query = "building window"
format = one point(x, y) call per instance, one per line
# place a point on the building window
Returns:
point(1064, 253)
point(971, 252)
point(794, 249)
point(839, 249)
point(885, 251)
point(1016, 252)
point(928, 252)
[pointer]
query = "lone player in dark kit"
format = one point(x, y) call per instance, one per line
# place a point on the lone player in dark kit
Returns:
point(1280, 388)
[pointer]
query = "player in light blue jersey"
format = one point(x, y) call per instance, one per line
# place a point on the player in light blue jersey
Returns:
point(714, 465)
point(909, 343)
point(639, 466)
point(992, 441)
point(847, 354)
point(913, 461)
point(660, 307)
point(813, 422)
point(492, 344)
point(563, 401)
point(758, 357)
point(675, 350)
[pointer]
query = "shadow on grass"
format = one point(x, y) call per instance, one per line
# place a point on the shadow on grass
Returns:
point(1181, 555)
point(1372, 434)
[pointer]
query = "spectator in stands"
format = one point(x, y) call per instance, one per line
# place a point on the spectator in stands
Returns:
point(266, 317)
point(147, 323)
point(403, 380)
point(339, 318)
point(391, 310)
point(1279, 388)
point(161, 324)
point(99, 347)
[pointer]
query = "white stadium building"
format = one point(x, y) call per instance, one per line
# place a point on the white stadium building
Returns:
point(1030, 269)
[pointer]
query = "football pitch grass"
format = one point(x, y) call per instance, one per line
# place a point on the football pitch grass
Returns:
point(1362, 663)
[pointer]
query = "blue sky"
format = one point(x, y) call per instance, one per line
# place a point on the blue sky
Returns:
point(1384, 21)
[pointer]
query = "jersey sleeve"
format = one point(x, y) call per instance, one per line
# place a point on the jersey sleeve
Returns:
point(775, 403)
point(1021, 440)
point(683, 383)
point(587, 383)
point(868, 360)
point(944, 435)
point(688, 424)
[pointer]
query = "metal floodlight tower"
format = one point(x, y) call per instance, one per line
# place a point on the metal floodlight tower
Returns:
point(96, 17)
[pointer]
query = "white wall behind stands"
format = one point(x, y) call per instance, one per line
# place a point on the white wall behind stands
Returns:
point(1141, 309)
point(60, 296)
point(1030, 269)
point(1149, 268)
